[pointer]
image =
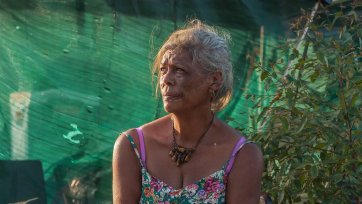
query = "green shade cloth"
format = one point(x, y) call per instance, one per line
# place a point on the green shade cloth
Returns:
point(74, 74)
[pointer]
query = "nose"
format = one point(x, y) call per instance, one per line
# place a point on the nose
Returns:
point(167, 78)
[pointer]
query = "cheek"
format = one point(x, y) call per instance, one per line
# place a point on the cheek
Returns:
point(196, 89)
point(161, 81)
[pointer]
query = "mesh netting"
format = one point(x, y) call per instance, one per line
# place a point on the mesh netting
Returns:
point(74, 74)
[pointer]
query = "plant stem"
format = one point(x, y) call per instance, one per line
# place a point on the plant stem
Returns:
point(304, 57)
point(310, 20)
point(346, 109)
point(326, 150)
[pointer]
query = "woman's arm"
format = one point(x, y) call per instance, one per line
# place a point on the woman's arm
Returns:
point(126, 169)
point(244, 182)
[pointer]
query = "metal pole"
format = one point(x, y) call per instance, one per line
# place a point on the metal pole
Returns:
point(301, 39)
point(315, 8)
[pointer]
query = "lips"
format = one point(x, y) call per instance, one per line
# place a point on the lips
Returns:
point(170, 97)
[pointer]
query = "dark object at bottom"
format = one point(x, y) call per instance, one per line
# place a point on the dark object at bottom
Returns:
point(265, 199)
point(326, 2)
point(22, 181)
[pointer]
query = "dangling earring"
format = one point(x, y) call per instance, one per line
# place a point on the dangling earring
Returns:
point(213, 95)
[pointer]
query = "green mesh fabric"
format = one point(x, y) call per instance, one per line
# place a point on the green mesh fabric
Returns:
point(74, 74)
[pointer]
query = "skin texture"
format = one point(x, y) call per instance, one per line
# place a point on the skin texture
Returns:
point(186, 94)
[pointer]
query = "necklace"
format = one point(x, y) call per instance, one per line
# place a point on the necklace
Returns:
point(180, 154)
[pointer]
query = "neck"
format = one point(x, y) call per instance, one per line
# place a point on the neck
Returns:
point(190, 127)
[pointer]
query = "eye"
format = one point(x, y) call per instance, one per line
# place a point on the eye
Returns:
point(163, 70)
point(179, 70)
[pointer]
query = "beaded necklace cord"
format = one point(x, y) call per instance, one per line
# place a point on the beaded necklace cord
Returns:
point(180, 154)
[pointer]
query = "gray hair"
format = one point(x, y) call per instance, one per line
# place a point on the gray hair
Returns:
point(208, 47)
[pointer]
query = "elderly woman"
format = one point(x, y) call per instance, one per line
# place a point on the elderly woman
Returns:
point(189, 155)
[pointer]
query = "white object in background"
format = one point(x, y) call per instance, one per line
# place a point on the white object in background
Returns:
point(69, 136)
point(19, 107)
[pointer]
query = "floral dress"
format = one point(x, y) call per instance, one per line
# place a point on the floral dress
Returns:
point(210, 189)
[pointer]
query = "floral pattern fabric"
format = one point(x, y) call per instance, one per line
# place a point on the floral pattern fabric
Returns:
point(210, 189)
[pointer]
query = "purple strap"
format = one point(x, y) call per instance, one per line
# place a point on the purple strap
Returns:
point(142, 145)
point(237, 147)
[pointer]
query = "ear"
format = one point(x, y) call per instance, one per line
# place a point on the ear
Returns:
point(215, 80)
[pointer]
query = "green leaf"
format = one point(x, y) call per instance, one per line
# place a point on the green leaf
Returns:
point(304, 122)
point(326, 61)
point(359, 83)
point(321, 145)
point(294, 54)
point(354, 99)
point(336, 16)
point(359, 170)
point(356, 134)
point(296, 112)
point(316, 157)
point(306, 135)
point(337, 177)
point(264, 75)
point(285, 123)
point(314, 171)
point(354, 14)
point(320, 56)
point(277, 163)
point(352, 179)
point(261, 115)
point(281, 196)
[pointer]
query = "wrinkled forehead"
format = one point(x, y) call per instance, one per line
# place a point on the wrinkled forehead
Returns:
point(168, 57)
point(175, 55)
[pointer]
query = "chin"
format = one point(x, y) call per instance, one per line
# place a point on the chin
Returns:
point(172, 108)
point(169, 109)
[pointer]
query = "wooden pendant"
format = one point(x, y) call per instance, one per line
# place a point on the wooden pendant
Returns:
point(180, 155)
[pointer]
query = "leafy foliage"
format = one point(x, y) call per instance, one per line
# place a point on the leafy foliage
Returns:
point(311, 131)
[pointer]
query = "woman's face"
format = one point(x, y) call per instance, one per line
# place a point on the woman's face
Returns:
point(183, 86)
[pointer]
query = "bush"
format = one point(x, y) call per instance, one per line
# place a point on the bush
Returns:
point(311, 131)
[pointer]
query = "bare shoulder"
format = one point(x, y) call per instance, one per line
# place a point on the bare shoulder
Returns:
point(250, 152)
point(229, 133)
point(149, 131)
point(246, 171)
point(123, 147)
point(155, 130)
point(123, 143)
point(126, 170)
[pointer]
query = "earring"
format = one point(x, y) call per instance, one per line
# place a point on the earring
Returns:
point(213, 95)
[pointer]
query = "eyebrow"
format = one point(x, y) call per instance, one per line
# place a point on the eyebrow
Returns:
point(175, 63)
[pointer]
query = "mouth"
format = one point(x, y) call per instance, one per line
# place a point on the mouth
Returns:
point(171, 97)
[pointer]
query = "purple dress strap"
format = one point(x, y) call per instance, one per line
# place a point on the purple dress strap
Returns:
point(237, 147)
point(142, 146)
